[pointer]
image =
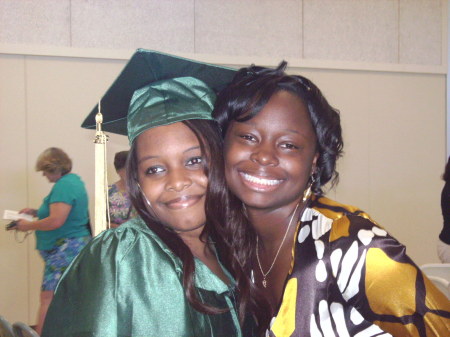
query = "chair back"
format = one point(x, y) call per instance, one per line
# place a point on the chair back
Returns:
point(441, 284)
point(441, 270)
point(23, 330)
point(5, 328)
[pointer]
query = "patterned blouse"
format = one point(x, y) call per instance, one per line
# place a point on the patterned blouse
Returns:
point(349, 277)
point(120, 208)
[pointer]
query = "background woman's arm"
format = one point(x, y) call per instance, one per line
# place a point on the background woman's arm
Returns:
point(29, 211)
point(59, 212)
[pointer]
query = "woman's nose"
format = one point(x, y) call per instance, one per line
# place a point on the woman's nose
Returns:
point(178, 180)
point(265, 155)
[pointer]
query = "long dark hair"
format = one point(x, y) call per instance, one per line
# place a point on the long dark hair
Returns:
point(217, 195)
point(244, 98)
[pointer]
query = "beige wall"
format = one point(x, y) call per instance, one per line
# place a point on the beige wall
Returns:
point(381, 31)
point(381, 63)
point(394, 135)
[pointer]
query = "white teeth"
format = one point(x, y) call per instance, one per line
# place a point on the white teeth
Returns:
point(260, 181)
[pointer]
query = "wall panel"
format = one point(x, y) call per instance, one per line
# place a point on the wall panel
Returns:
point(421, 32)
point(395, 32)
point(252, 27)
point(118, 24)
point(13, 186)
point(407, 152)
point(351, 30)
point(45, 22)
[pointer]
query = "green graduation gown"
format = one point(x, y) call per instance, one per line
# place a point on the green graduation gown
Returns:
point(126, 282)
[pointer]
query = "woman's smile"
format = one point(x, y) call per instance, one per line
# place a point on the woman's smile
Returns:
point(260, 183)
point(183, 202)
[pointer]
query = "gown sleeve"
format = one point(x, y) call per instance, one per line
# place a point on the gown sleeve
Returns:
point(122, 284)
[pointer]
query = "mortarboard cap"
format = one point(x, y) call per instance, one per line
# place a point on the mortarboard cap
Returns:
point(158, 89)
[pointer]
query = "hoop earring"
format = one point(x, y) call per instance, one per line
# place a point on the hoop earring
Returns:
point(308, 192)
point(145, 197)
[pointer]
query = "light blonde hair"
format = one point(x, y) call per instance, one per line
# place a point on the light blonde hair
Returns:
point(54, 160)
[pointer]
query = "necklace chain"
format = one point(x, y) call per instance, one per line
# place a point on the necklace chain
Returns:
point(264, 281)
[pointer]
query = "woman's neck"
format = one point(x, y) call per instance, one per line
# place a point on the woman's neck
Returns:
point(271, 225)
point(275, 234)
point(202, 250)
point(193, 240)
point(121, 185)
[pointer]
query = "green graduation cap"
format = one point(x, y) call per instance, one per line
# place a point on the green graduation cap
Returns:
point(158, 89)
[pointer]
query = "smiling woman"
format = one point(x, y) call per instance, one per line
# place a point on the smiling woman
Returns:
point(327, 269)
point(170, 271)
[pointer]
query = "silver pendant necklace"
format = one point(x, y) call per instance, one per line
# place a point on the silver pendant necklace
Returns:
point(264, 274)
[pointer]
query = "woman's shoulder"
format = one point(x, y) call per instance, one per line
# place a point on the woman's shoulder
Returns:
point(70, 177)
point(122, 275)
point(339, 219)
point(334, 209)
point(69, 188)
point(128, 241)
point(69, 180)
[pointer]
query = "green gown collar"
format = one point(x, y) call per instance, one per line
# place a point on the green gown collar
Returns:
point(204, 277)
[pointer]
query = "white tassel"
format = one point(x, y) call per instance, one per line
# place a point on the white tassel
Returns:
point(101, 219)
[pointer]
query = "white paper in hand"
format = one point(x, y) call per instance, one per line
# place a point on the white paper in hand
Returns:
point(14, 215)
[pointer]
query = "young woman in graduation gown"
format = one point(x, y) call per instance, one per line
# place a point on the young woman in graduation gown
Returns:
point(169, 272)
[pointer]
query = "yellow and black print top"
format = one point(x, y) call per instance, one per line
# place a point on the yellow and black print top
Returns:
point(349, 277)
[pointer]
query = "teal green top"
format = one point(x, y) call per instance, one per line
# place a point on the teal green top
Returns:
point(127, 282)
point(70, 190)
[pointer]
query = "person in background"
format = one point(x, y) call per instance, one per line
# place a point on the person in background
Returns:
point(327, 269)
point(170, 271)
point(62, 228)
point(444, 236)
point(120, 208)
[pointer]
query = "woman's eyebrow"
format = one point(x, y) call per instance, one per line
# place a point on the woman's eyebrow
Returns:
point(192, 148)
point(146, 158)
point(154, 156)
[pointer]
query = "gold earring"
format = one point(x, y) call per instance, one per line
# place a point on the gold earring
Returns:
point(307, 193)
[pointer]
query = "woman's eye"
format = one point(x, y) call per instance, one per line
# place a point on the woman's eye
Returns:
point(154, 170)
point(249, 138)
point(195, 161)
point(289, 146)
